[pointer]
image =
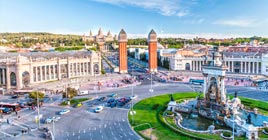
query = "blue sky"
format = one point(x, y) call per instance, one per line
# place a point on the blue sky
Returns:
point(228, 17)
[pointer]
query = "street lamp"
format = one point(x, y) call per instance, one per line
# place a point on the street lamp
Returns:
point(38, 112)
point(151, 89)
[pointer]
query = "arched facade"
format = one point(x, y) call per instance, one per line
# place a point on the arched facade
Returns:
point(13, 79)
point(26, 78)
point(187, 66)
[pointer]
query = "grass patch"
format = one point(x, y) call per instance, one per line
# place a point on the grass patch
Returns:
point(147, 111)
point(75, 101)
point(150, 111)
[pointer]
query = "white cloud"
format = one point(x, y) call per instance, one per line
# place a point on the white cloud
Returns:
point(237, 22)
point(163, 7)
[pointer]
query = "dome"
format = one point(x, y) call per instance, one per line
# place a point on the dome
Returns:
point(122, 37)
point(152, 36)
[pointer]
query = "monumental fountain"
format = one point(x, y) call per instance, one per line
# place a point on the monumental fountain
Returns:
point(215, 105)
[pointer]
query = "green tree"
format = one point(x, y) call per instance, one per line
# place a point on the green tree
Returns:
point(33, 95)
point(71, 92)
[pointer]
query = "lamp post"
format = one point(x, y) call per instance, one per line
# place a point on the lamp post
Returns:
point(151, 89)
point(38, 112)
point(233, 124)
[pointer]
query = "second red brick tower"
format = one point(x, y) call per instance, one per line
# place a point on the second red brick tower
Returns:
point(122, 39)
point(152, 42)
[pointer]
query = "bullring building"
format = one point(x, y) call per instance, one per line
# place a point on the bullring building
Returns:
point(19, 70)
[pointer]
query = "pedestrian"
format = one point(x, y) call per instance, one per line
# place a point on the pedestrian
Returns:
point(16, 113)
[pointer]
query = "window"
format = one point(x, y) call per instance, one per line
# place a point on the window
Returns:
point(266, 68)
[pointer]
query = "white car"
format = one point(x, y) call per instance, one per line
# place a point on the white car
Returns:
point(64, 111)
point(133, 97)
point(99, 109)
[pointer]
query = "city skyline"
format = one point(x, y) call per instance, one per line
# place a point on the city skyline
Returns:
point(174, 18)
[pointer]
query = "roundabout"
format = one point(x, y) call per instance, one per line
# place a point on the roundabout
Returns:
point(152, 122)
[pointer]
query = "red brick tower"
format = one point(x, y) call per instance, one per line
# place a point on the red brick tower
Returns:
point(122, 39)
point(152, 41)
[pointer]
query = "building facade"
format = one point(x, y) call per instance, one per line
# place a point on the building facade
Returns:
point(20, 70)
point(99, 39)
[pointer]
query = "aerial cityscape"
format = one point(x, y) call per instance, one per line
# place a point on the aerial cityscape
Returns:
point(131, 70)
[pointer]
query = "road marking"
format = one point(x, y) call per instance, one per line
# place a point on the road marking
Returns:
point(110, 127)
point(102, 136)
point(73, 134)
point(119, 124)
point(112, 133)
point(100, 131)
point(125, 134)
point(78, 137)
point(115, 138)
point(121, 129)
point(95, 128)
point(84, 131)
point(79, 131)
point(123, 120)
point(105, 126)
point(130, 134)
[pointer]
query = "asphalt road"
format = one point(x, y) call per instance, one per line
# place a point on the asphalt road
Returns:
point(82, 123)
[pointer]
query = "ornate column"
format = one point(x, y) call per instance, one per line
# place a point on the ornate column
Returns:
point(54, 71)
point(18, 77)
point(49, 72)
point(8, 77)
point(205, 85)
point(31, 71)
point(80, 69)
point(86, 67)
point(68, 68)
point(59, 70)
point(241, 67)
point(245, 67)
point(41, 73)
point(249, 71)
point(223, 94)
point(253, 67)
point(257, 68)
point(35, 74)
point(4, 76)
point(232, 66)
point(91, 66)
point(45, 72)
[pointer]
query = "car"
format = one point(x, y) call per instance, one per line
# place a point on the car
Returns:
point(99, 109)
point(110, 101)
point(133, 97)
point(112, 95)
point(113, 104)
point(78, 105)
point(48, 120)
point(64, 111)
point(101, 98)
point(122, 99)
point(14, 96)
point(5, 110)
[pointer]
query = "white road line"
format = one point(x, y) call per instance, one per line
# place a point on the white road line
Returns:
point(112, 133)
point(95, 128)
point(73, 134)
point(84, 131)
point(130, 134)
point(102, 136)
point(121, 129)
point(78, 137)
point(105, 126)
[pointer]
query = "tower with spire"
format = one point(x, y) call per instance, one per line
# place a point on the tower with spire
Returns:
point(152, 45)
point(122, 39)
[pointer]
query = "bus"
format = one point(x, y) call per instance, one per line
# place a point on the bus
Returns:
point(196, 81)
point(14, 106)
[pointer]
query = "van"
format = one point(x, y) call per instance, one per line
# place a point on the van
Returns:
point(82, 92)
